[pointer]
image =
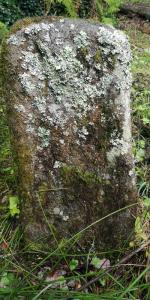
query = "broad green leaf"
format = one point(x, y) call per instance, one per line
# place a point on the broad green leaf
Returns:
point(96, 262)
point(13, 205)
point(147, 202)
point(138, 225)
point(73, 264)
point(146, 120)
point(6, 279)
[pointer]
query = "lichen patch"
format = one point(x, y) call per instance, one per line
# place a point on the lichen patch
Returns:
point(70, 119)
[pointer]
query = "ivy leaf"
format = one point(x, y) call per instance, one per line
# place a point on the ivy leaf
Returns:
point(100, 263)
point(109, 21)
point(13, 205)
point(96, 262)
point(140, 155)
point(138, 225)
point(147, 202)
point(73, 264)
point(139, 229)
point(6, 279)
point(102, 281)
point(146, 121)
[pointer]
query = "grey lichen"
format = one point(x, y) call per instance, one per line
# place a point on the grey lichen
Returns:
point(119, 147)
point(59, 74)
point(20, 108)
point(114, 42)
point(70, 87)
point(57, 211)
point(40, 104)
point(44, 134)
point(81, 40)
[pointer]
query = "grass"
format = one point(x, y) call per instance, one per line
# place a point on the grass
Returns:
point(63, 274)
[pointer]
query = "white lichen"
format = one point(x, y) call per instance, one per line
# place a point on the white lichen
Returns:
point(20, 108)
point(59, 212)
point(57, 164)
point(60, 86)
point(81, 40)
point(114, 42)
point(16, 40)
point(56, 210)
point(44, 134)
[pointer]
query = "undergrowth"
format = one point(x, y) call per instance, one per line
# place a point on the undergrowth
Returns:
point(63, 273)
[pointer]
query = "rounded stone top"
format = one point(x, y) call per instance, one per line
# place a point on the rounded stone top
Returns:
point(85, 32)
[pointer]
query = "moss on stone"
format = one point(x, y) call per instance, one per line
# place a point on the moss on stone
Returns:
point(63, 114)
point(42, 192)
point(98, 56)
point(71, 174)
point(83, 52)
point(31, 20)
point(35, 246)
point(3, 67)
point(21, 151)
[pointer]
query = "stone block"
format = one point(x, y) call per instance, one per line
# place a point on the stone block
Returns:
point(67, 89)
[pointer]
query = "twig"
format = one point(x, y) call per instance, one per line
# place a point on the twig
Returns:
point(134, 265)
point(119, 264)
point(130, 255)
point(52, 190)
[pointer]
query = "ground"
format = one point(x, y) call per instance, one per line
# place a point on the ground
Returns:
point(29, 275)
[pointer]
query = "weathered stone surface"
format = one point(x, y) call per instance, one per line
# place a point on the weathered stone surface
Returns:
point(141, 9)
point(68, 98)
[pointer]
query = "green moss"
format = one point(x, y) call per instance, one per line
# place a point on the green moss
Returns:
point(42, 192)
point(81, 54)
point(43, 187)
point(3, 31)
point(31, 20)
point(84, 51)
point(35, 245)
point(3, 68)
point(75, 174)
point(88, 177)
point(21, 151)
point(98, 56)
point(85, 122)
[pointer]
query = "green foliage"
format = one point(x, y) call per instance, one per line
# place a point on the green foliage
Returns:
point(22, 281)
point(32, 7)
point(6, 282)
point(96, 262)
point(73, 264)
point(142, 223)
point(113, 6)
point(13, 206)
point(142, 106)
point(140, 235)
point(51, 5)
point(106, 10)
point(141, 117)
point(48, 4)
point(99, 8)
point(7, 177)
point(3, 31)
point(9, 12)
point(139, 150)
point(69, 7)
point(147, 202)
